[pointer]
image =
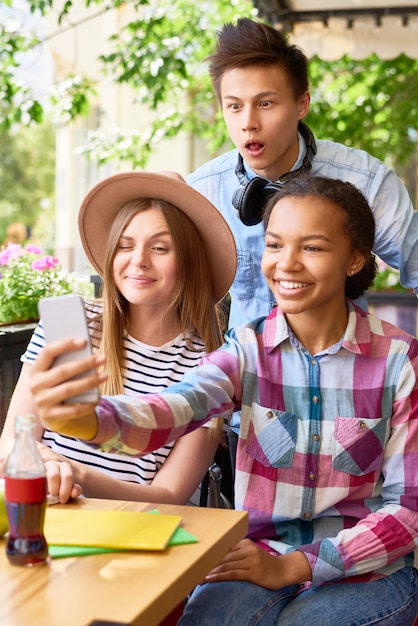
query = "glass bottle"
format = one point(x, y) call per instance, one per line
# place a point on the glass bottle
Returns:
point(25, 496)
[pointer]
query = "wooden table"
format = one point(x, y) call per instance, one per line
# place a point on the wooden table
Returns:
point(136, 588)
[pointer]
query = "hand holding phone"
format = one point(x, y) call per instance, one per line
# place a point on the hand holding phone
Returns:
point(64, 317)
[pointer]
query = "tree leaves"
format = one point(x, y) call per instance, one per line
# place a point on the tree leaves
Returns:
point(370, 104)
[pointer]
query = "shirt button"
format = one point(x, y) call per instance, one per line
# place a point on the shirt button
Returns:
point(306, 515)
point(362, 425)
point(311, 476)
point(315, 437)
point(270, 414)
point(313, 362)
point(315, 399)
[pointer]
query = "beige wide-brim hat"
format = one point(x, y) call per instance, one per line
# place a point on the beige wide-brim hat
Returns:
point(103, 202)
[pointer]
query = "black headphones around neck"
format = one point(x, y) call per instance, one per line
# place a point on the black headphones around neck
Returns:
point(250, 197)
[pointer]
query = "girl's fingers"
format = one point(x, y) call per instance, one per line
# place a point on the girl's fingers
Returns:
point(52, 386)
point(45, 361)
point(49, 353)
point(53, 392)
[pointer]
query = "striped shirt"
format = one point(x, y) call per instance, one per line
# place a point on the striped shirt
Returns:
point(146, 369)
point(328, 447)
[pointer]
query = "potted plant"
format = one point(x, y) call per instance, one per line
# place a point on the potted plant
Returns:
point(27, 274)
point(387, 279)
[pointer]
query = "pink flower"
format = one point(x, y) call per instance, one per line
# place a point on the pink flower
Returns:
point(4, 257)
point(12, 251)
point(30, 247)
point(45, 263)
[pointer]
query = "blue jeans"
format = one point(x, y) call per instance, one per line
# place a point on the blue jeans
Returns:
point(390, 601)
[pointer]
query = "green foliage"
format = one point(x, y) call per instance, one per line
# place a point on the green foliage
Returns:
point(17, 104)
point(161, 56)
point(71, 97)
point(27, 274)
point(45, 6)
point(388, 280)
point(370, 104)
point(27, 179)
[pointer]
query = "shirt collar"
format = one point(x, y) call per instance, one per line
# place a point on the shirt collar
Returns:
point(301, 154)
point(357, 336)
point(356, 339)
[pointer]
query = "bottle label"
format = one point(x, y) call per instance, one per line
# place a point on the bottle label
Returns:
point(25, 489)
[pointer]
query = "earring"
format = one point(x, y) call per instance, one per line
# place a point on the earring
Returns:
point(352, 272)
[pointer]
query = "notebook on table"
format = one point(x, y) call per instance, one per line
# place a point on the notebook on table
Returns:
point(120, 530)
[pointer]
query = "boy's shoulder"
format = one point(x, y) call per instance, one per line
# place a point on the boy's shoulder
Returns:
point(219, 166)
point(348, 156)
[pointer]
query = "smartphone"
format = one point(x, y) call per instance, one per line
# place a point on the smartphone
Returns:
point(64, 317)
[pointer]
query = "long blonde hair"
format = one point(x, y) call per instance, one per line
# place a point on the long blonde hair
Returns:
point(198, 313)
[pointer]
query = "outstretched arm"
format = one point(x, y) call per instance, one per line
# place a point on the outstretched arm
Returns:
point(175, 482)
point(131, 425)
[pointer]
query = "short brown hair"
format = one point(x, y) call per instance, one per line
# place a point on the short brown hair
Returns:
point(252, 42)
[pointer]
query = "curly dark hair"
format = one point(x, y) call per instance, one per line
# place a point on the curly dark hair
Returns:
point(358, 224)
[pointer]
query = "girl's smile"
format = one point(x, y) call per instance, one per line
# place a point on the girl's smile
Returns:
point(306, 261)
point(145, 265)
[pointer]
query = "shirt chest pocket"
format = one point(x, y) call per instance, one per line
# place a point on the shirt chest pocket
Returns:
point(271, 436)
point(358, 444)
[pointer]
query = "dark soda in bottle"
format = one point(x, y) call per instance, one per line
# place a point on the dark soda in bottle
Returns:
point(25, 495)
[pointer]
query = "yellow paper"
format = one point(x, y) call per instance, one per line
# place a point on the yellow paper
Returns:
point(124, 530)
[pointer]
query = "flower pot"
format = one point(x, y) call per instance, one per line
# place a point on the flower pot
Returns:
point(13, 341)
point(18, 323)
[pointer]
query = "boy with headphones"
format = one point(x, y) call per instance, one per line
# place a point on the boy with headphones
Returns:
point(261, 82)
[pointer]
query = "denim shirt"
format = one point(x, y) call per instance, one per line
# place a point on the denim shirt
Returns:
point(396, 240)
